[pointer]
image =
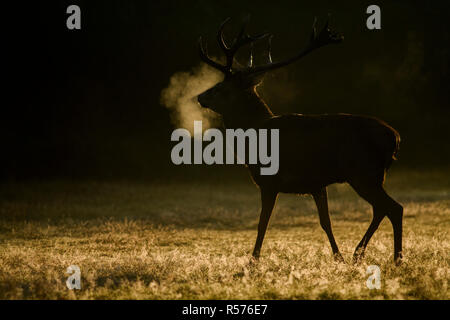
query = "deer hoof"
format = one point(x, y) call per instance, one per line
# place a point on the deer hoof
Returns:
point(338, 257)
point(357, 257)
point(253, 260)
point(398, 259)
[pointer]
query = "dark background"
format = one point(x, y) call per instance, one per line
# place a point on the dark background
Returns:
point(86, 103)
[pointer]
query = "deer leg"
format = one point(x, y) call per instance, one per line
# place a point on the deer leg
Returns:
point(395, 214)
point(321, 200)
point(378, 216)
point(268, 199)
point(383, 205)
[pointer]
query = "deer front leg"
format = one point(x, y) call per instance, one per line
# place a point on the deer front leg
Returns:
point(268, 199)
point(320, 197)
point(378, 216)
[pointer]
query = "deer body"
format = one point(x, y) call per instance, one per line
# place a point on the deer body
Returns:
point(315, 150)
point(318, 150)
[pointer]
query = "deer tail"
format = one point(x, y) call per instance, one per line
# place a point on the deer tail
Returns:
point(391, 155)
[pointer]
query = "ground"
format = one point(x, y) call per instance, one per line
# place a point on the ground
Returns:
point(193, 240)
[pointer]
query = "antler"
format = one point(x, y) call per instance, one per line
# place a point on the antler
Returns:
point(203, 52)
point(325, 37)
point(241, 40)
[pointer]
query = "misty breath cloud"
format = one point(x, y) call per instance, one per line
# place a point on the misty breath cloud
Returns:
point(180, 97)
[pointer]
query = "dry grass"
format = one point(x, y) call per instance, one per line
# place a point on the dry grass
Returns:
point(193, 241)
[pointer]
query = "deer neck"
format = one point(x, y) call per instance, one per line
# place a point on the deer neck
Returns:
point(252, 111)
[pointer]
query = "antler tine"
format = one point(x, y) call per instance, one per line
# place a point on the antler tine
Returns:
point(203, 52)
point(243, 38)
point(229, 51)
point(220, 38)
point(241, 35)
point(250, 60)
point(269, 49)
point(314, 30)
point(326, 36)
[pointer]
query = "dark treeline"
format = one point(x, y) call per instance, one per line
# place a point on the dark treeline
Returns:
point(87, 103)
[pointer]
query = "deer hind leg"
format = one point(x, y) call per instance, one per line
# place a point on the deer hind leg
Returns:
point(320, 197)
point(268, 199)
point(383, 205)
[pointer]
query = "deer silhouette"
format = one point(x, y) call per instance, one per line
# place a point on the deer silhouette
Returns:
point(314, 150)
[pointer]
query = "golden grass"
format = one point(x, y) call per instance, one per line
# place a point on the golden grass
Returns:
point(181, 240)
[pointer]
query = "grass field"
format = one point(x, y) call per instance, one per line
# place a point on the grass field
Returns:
point(193, 240)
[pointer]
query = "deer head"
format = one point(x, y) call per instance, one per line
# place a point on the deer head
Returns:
point(239, 83)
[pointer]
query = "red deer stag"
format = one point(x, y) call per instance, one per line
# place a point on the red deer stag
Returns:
point(315, 150)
